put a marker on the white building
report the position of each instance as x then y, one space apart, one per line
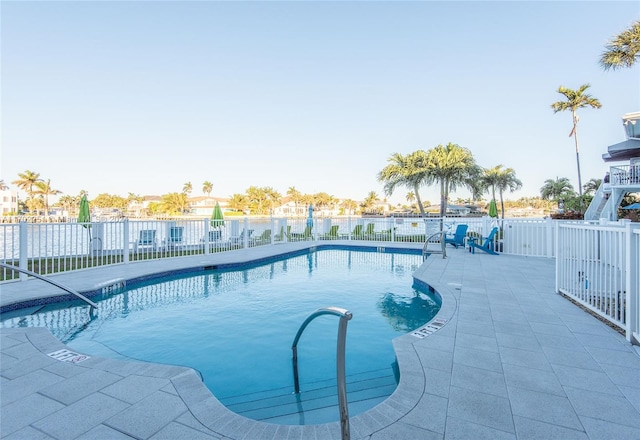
622 178
9 202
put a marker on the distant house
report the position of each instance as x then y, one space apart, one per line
8 202
202 206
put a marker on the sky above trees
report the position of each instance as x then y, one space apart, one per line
119 97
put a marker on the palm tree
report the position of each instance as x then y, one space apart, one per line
294 195
44 189
173 203
591 186
239 202
411 196
67 203
557 190
575 99
26 182
207 187
409 171
623 50
349 205
506 181
451 166
369 201
3 186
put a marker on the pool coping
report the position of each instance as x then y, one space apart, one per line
212 414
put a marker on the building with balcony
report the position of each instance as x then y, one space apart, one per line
624 177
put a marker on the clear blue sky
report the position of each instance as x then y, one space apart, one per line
118 97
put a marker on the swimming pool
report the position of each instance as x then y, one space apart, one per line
236 327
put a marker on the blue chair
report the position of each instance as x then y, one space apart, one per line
176 234
147 240
487 243
458 238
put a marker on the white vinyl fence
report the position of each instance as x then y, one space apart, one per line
597 266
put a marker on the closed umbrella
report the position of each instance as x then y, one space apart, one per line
310 218
493 208
84 214
217 218
632 206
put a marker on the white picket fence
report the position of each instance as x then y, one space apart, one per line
596 264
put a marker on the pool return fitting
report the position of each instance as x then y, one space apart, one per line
345 316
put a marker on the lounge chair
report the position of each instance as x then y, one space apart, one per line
370 233
331 235
282 235
146 239
239 240
306 235
487 244
356 234
176 236
457 239
264 238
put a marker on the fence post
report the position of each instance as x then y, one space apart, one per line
558 253
207 244
245 238
125 240
631 283
549 234
23 232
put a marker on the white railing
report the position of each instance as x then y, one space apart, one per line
597 266
48 248
625 175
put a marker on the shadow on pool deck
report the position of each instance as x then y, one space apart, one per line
514 360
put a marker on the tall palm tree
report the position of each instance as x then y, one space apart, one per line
207 187
450 166
623 50
44 189
409 171
557 190
576 99
506 181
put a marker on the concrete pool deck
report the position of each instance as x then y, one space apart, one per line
514 360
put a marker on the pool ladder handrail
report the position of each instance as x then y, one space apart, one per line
93 305
345 316
442 242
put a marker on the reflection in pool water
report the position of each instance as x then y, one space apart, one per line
236 327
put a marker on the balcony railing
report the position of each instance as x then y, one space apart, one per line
625 175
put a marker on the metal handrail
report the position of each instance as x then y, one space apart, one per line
442 242
55 283
345 316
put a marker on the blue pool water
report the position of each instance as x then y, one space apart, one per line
236 328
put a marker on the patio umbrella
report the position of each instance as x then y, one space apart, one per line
632 206
310 218
84 215
493 209
217 218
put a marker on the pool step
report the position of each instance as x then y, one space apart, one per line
317 402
